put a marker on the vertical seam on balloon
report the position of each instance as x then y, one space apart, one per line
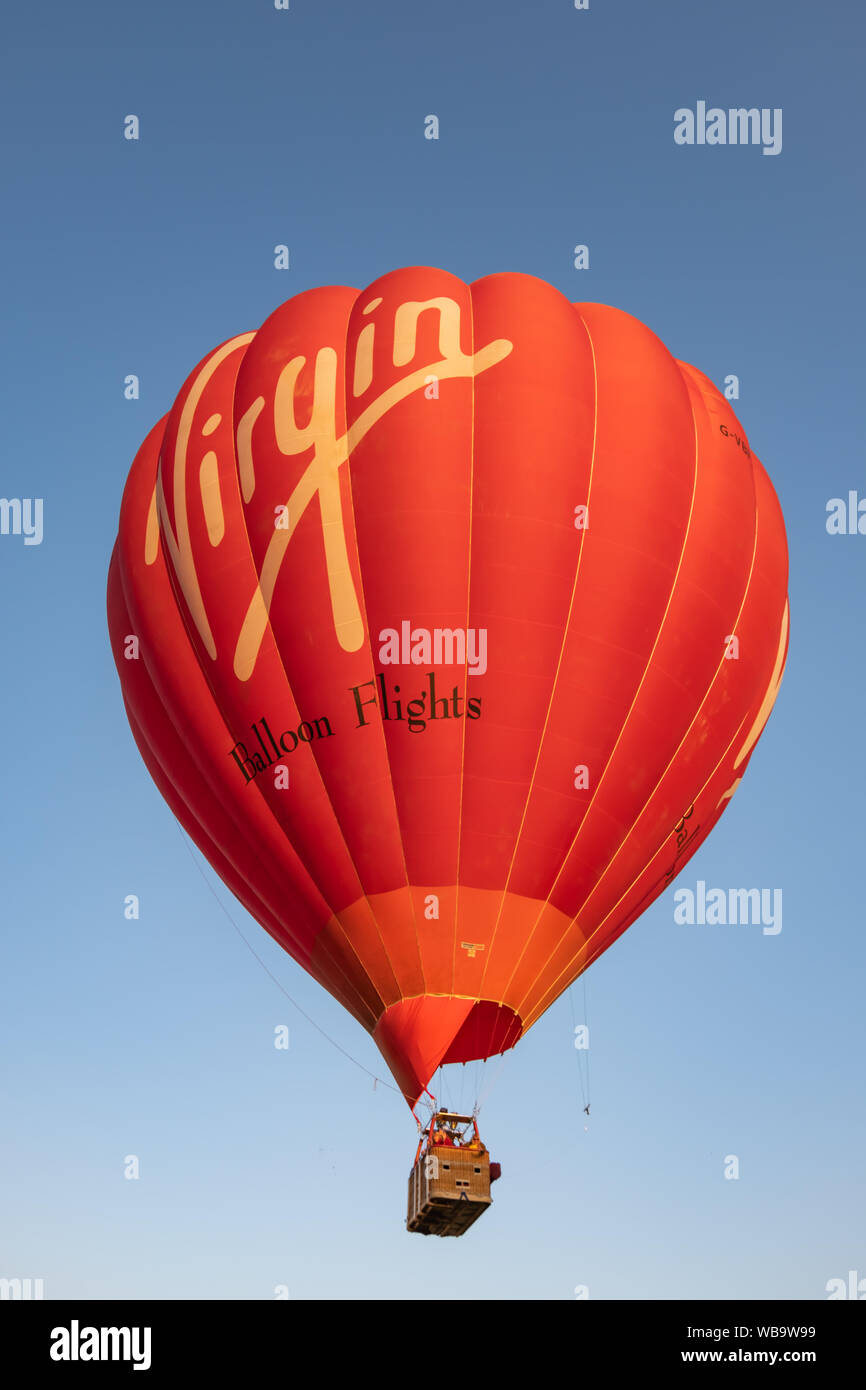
202 774
472 387
541 1007
349 998
625 721
257 789
335 915
706 696
130 601
364 895
516 848
538 1009
369 639
138 729
708 692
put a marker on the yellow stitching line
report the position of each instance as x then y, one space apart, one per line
257 789
363 597
205 781
625 722
559 661
466 669
661 779
775 683
539 1009
350 994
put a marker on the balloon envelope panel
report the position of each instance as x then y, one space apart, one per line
458 611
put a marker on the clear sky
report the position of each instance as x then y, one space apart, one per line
154 1038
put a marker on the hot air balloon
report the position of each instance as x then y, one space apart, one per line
447 618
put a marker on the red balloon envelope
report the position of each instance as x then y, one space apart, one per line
447 617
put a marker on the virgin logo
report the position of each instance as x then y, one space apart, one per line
320 481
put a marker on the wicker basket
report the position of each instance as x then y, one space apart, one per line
449 1188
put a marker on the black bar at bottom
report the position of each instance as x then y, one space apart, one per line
161 1339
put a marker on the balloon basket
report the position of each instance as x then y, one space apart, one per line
449 1185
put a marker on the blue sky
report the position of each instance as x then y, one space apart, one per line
261 1168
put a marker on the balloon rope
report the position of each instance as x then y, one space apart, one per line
380 1080
488 1088
584 1097
586 1022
